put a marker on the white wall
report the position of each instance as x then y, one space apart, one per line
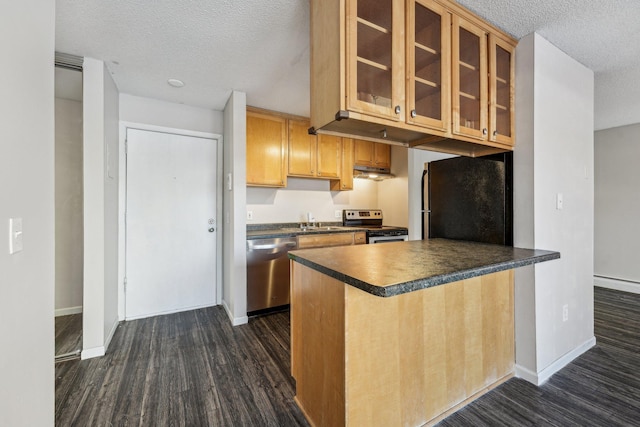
617 208
68 214
393 197
148 111
291 204
27 192
234 292
111 205
100 146
415 166
553 154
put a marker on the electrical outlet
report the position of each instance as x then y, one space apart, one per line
565 312
249 214
338 214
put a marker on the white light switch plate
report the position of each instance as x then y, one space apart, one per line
559 201
338 214
15 235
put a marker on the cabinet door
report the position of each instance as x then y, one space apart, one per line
346 169
266 150
469 75
302 149
382 155
325 240
375 57
429 63
362 152
501 90
329 156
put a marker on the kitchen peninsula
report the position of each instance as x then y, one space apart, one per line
401 333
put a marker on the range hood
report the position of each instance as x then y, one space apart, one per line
372 173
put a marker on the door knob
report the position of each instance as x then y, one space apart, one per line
211 230
413 114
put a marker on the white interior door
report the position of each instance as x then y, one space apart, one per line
170 223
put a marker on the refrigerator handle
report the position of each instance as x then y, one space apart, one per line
424 182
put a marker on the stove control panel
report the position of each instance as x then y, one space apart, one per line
354 214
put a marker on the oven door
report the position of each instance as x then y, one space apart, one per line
387 239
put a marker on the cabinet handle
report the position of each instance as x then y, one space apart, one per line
413 114
484 131
495 133
397 109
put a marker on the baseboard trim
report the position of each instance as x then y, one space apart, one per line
235 321
539 378
90 353
110 335
162 313
617 284
67 311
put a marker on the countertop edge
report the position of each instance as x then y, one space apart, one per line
428 282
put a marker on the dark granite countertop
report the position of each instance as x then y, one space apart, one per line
267 231
396 268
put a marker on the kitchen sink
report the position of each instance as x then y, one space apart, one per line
298 229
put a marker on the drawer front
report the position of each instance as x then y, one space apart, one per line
325 240
360 238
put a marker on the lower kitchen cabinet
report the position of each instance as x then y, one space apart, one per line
331 239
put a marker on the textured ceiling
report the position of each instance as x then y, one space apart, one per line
262 47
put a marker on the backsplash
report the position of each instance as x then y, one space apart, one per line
291 204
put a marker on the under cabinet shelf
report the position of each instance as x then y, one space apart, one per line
427 82
469 96
374 26
426 48
373 64
468 66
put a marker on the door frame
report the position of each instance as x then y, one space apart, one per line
122 195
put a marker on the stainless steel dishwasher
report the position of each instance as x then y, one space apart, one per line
268 272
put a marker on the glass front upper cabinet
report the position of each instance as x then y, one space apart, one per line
501 89
469 87
375 57
429 62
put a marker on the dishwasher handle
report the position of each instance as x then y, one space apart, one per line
269 249
271 246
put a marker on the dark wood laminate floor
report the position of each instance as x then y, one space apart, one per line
194 369
68 335
184 369
600 388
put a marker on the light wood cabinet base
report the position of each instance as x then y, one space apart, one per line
359 359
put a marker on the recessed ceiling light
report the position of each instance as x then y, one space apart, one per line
175 82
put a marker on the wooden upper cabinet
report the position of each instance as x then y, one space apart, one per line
372 154
313 156
426 73
329 156
429 64
470 82
346 168
266 150
501 90
302 149
375 57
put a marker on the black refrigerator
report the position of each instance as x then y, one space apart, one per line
465 198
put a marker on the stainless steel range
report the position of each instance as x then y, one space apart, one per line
371 220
